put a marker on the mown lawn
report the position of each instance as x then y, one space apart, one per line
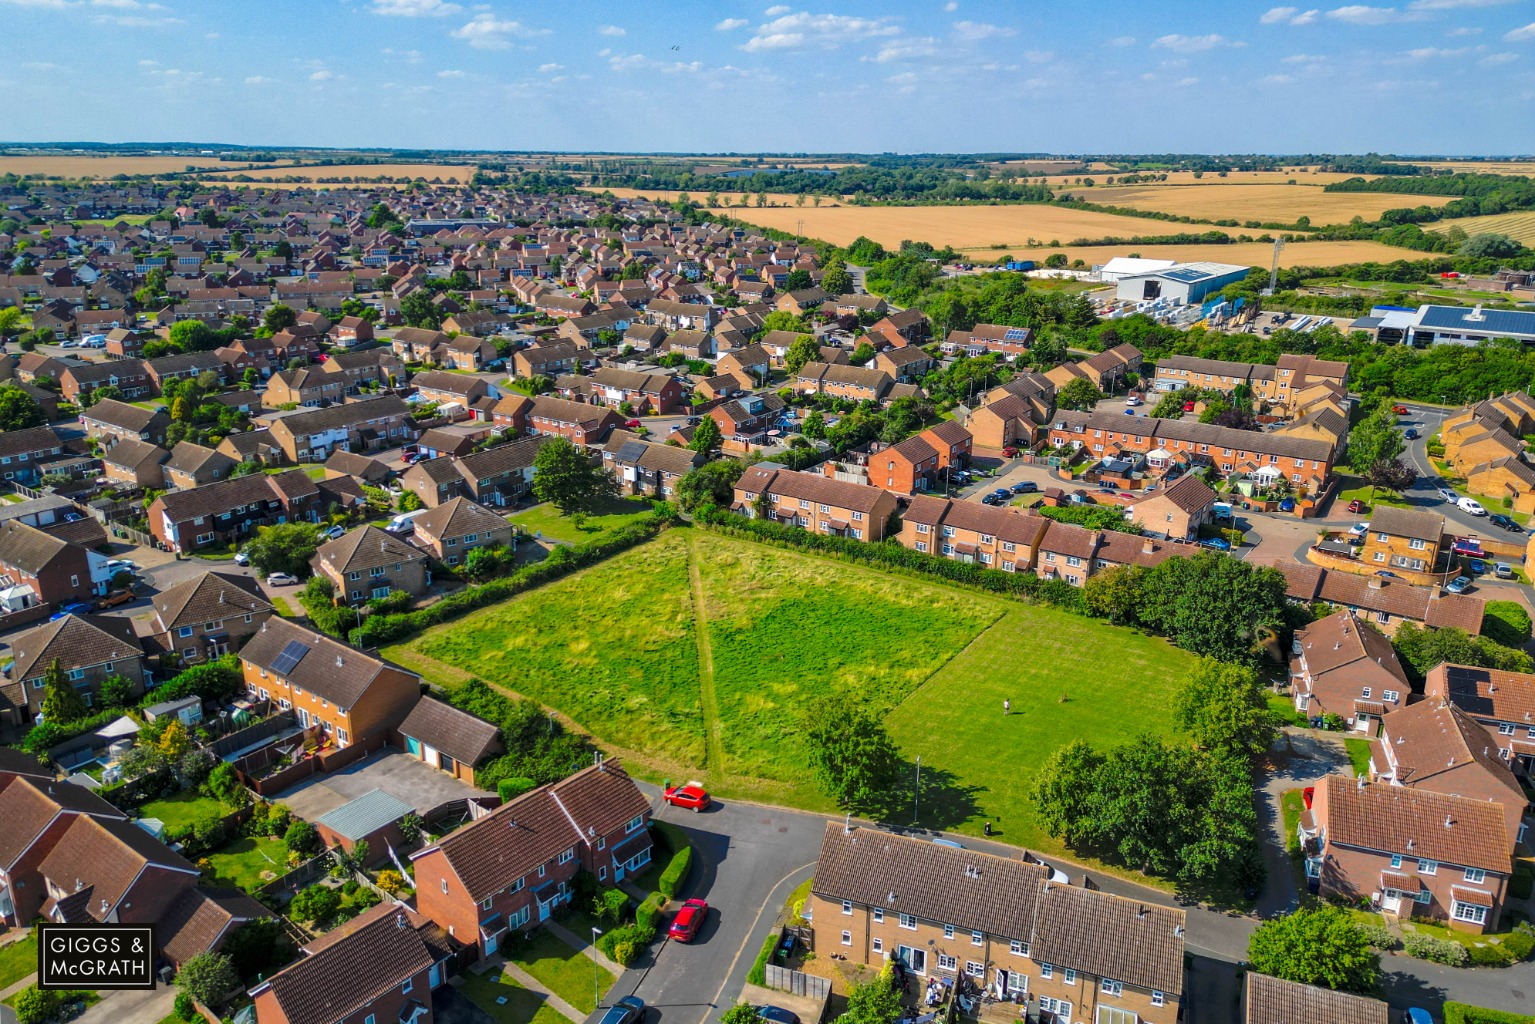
184 808
17 960
244 862
568 973
546 520
1359 754
521 1006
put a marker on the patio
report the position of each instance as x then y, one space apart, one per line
390 770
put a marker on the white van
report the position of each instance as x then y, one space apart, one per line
403 523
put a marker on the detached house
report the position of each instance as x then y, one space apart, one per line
192 465
368 564
1503 703
209 615
1403 539
1342 668
1178 510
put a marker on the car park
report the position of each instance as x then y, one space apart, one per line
1470 506
1459 585
691 795
281 579
689 918
628 1010
1504 571
1504 522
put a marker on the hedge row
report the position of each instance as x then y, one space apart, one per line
890 555
758 974
377 630
622 945
676 871
1465 1013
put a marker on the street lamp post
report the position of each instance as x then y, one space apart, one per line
916 796
596 973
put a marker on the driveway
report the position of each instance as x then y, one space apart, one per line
1302 757
136 1006
393 771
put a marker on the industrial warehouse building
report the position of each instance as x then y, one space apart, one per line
1186 283
1128 266
1446 325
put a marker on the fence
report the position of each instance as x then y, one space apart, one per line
798 983
311 870
241 739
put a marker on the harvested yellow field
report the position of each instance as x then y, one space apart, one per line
103 166
1303 176
1250 254
1267 203
289 186
445 172
1519 225
1480 166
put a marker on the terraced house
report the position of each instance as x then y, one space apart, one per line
1503 703
1055 950
25 453
858 383
368 425
968 531
231 509
367 564
814 502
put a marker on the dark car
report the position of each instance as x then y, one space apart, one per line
628 1010
1025 487
1411 433
989 499
1507 523
73 608
1002 492
776 1015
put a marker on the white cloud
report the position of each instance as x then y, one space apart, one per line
549 69
149 63
408 56
905 49
1278 79
415 8
1519 35
610 30
1039 56
1430 52
973 31
951 6
55 4
211 35
1274 15
487 32
1450 5
260 80
776 10
321 76
821 31
731 24
1188 81
1305 17
640 62
1362 14
1304 58
1188 44
1492 60
1121 41
452 73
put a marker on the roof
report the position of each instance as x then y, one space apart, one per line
312 421
1394 597
106 856
1071 924
1003 523
1477 320
458 516
1485 692
1434 737
27 547
1188 493
124 415
200 918
331 670
1402 820
460 735
1406 522
811 487
1275 1001
208 597
359 818
564 411
1339 643
375 954
75 641
366 548
28 804
133 453
211 499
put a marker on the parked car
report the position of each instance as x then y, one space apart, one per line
1416 1015
1287 505
241 558
690 917
1002 493
1356 506
281 579
1468 546
114 599
1448 495
628 1010
692 795
1010 452
1505 522
73 608
334 532
1504 571
1129 412
632 424
776 1015
1216 543
1459 585
1470 506
1133 401
122 563
1307 794
988 499
1359 529
1478 567
1400 410
1188 406
1411 433
1025 487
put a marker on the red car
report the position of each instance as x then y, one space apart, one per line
1400 410
1356 506
688 920
1307 794
1188 406
632 424
691 795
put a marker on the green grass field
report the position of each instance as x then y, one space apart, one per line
18 960
520 1007
546 521
183 808
620 649
567 972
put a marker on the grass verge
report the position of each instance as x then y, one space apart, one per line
506 1001
1359 755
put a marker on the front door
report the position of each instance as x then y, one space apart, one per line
434 977
1391 901
544 909
490 943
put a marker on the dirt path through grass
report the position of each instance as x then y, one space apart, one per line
714 746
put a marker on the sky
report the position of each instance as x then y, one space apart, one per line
1453 77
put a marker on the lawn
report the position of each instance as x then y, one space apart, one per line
183 809
546 520
1355 488
566 972
245 863
17 960
520 1007
1359 754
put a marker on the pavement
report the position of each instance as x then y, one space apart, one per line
136 1006
393 771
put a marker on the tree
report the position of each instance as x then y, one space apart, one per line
194 336
852 755
1420 648
19 410
1390 475
814 425
35 1005
1506 623
567 479
258 948
1224 707
100 393
783 320
174 741
1114 593
10 322
1321 946
1212 603
876 1001
208 977
419 310
804 349
279 318
1491 245
837 281
315 903
741 1013
797 280
862 353
302 838
1374 439
711 483
62 703
286 547
706 436
115 692
1079 394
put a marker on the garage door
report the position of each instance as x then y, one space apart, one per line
429 754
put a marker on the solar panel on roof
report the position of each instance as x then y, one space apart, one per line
288 658
1016 334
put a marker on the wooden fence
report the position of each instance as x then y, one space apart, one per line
798 983
311 870
252 734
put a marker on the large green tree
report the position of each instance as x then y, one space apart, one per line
1078 394
1420 648
208 978
418 310
19 410
711 483
706 436
804 349
286 547
1212 603
11 318
837 281
193 336
1321 946
1374 439
62 703
1224 707
565 477
852 755
279 317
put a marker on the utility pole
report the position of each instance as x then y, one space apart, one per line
1274 266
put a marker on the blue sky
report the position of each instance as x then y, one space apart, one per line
1420 76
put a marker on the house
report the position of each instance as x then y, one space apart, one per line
368 425
967 531
500 475
577 422
458 526
813 502
122 421
1403 539
346 694
360 467
511 868
647 467
658 393
1502 702
367 564
309 387
1178 510
1342 668
417 344
56 570
909 467
208 615
228 511
681 316
745 421
24 454
1267 1000
858 383
442 386
35 813
1384 603
192 465
511 410
379 968
1001 922
547 359
1007 342
108 871
749 365
368 367
253 446
434 481
1411 852
1434 745
467 352
910 325
90 649
1067 553
130 377
135 464
183 366
1008 422
437 443
951 441
449 739
904 364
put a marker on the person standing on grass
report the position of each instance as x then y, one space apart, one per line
1007 706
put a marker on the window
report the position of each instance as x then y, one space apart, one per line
602 873
76 674
1365 693
1469 912
1505 729
878 945
566 856
921 527
635 823
186 631
879 915
977 938
1158 997
485 903
1428 867
1047 970
405 988
974 969
847 938
1115 1015
1396 860
847 906
915 959
543 869
1060 1007
1476 875
909 922
1019 948
1425 897
922 546
1110 987
946 962
948 931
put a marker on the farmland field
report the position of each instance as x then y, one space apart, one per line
1520 225
69 166
1268 203
447 172
622 649
1249 254
1480 166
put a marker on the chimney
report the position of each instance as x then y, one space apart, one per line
1448 821
1148 546
1376 583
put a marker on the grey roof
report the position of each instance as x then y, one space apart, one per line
457 733
370 812
366 547
1493 321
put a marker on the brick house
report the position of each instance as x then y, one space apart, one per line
1411 852
1403 539
1008 422
1067 552
577 422
346 694
442 386
1502 702
135 464
122 421
192 465
1178 510
746 420
458 526
968 531
368 563
1008 342
104 870
367 425
232 509
1342 668
310 387
57 571
659 393
24 454
129 376
1384 603
547 359
253 446
511 868
35 813
909 467
90 649
911 325
999 922
858 383
815 503
904 364
647 467
448 739
209 615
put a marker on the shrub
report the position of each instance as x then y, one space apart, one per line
349 886
366 898
1493 954
1440 951
184 1008
676 872
391 881
1520 943
758 974
646 916
316 903
609 904
1506 623
33 1005
1523 881
510 789
207 977
1465 1013
623 945
208 832
302 838
1379 937
278 818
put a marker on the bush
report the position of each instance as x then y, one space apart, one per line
1379 937
184 1008
1440 951
216 681
349 886
278 818
33 1005
302 838
676 872
364 899
391 881
758 974
1522 882
316 903
1506 623
1465 1013
510 789
1520 943
623 945
1493 954
648 913
610 904
207 977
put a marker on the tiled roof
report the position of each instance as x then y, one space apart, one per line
602 798
1433 737
1274 1001
106 856
187 457
1137 943
132 453
458 734
75 640
202 918
331 670
208 597
123 415
314 421
1486 692
1403 522
1070 539
211 499
377 952
811 487
366 548
1339 641
27 547
456 517
1188 493
28 804
1391 819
